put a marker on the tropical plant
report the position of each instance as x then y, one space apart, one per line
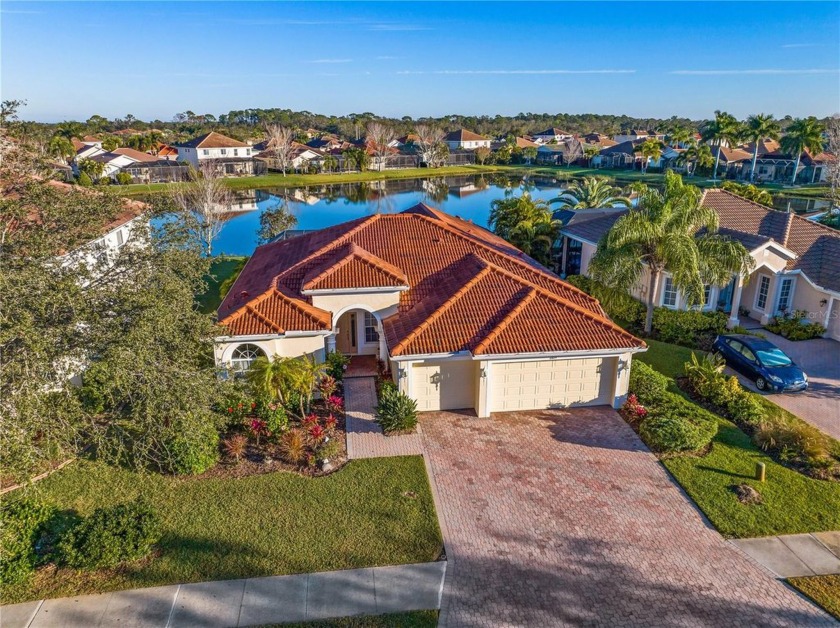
694 157
650 149
356 158
268 377
396 411
803 134
749 192
526 223
590 193
235 446
62 147
680 136
724 128
661 235
293 446
758 128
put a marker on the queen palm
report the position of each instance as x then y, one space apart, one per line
724 128
661 234
591 192
803 134
758 128
535 237
694 157
61 147
679 136
649 149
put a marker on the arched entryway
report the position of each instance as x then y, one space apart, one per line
358 331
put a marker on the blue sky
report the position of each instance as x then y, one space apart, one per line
153 59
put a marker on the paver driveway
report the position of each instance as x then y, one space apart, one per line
564 518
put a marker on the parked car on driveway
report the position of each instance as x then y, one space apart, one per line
762 362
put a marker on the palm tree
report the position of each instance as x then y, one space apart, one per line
527 224
268 377
724 128
696 156
679 136
760 127
661 235
62 147
803 134
649 149
591 192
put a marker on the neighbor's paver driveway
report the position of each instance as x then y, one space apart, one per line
820 359
564 518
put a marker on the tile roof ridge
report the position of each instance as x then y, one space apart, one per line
354 251
788 224
736 197
335 244
564 302
443 307
813 223
476 240
310 311
529 296
249 308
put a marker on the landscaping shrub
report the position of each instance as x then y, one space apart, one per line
792 327
707 380
293 446
327 450
273 415
688 328
123 178
110 536
670 430
22 524
616 304
647 384
193 451
336 363
396 411
795 442
327 386
235 446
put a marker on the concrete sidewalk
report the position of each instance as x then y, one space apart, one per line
795 555
364 436
250 602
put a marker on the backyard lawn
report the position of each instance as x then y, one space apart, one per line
220 269
371 512
792 502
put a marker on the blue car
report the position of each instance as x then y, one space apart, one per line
762 362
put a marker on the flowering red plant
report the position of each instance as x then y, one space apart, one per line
633 410
310 420
258 428
317 433
329 424
335 403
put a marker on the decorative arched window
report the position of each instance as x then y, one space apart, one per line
243 356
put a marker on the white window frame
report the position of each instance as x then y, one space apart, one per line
758 294
223 151
120 237
240 364
371 331
205 152
792 283
672 290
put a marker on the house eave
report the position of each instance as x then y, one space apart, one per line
366 290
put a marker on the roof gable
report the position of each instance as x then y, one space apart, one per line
213 140
353 267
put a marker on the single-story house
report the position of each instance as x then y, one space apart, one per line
797 261
466 140
460 318
157 171
552 134
633 135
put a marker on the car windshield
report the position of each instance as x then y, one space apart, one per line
773 357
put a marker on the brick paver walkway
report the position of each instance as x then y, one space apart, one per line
364 436
564 518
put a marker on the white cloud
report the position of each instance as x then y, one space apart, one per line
330 60
764 71
480 72
384 26
802 45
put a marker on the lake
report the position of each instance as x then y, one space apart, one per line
321 206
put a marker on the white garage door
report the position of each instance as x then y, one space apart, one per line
444 385
551 384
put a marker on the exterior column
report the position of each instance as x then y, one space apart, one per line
563 262
734 317
622 379
772 298
331 343
383 347
482 396
404 377
827 320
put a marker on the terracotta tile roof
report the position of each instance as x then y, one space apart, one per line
468 289
728 154
463 135
817 247
213 140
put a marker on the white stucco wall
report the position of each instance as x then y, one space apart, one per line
195 155
282 346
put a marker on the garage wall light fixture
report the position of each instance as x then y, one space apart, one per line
401 373
483 373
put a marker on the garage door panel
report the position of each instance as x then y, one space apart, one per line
551 383
444 385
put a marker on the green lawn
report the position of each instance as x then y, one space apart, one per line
413 619
220 269
371 512
793 502
824 590
277 180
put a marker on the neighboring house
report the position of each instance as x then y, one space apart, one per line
551 135
301 156
618 156
518 142
136 155
564 153
732 160
597 139
633 135
112 163
797 261
86 151
460 318
777 167
466 140
233 156
164 151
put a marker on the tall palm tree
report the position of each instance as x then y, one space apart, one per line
696 156
803 134
591 192
651 148
724 128
536 237
758 128
62 147
661 235
679 136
